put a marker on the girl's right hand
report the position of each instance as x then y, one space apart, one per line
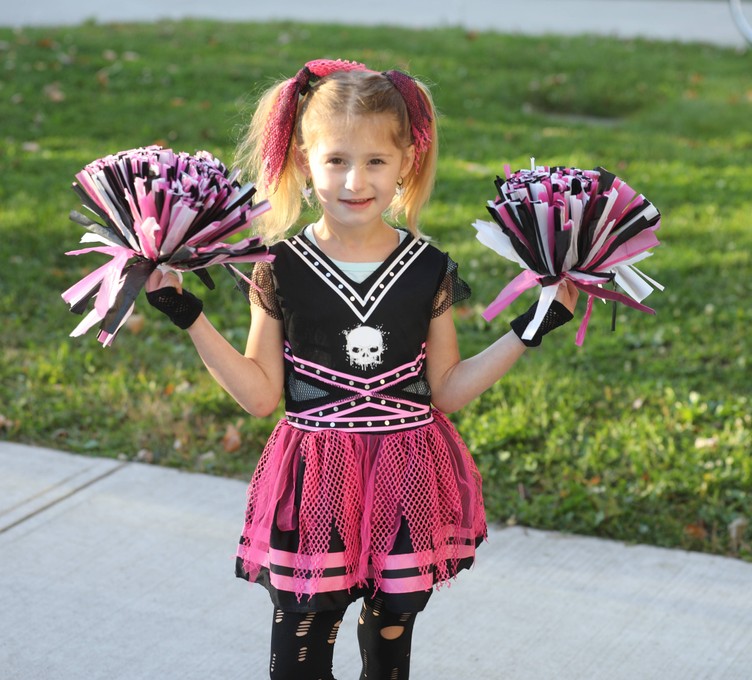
165 292
163 278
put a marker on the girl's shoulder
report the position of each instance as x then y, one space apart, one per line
289 241
434 250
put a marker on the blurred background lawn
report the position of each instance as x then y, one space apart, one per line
643 434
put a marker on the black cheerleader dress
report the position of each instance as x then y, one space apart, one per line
363 487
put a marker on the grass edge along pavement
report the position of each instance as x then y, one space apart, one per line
641 435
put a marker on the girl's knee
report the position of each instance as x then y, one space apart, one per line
392 632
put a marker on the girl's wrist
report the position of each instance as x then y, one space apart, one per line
180 307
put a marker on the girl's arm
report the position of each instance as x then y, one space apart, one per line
254 379
456 382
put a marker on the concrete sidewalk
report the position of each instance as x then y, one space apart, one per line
124 571
706 21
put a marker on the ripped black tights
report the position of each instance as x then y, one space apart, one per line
385 640
303 643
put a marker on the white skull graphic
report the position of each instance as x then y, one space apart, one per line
365 346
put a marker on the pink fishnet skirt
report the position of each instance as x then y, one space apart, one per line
333 513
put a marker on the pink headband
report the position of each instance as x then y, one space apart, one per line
275 142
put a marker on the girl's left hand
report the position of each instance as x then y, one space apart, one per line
567 294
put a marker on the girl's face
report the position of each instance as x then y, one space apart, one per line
354 168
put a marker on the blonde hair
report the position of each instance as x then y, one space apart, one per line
348 94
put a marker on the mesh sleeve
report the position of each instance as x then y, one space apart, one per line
262 292
452 289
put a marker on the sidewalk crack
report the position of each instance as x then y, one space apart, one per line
58 499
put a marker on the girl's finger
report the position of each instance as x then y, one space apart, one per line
162 279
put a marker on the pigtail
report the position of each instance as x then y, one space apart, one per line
282 191
269 150
419 182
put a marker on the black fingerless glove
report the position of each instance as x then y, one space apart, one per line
557 315
181 308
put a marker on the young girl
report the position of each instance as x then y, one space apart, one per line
364 489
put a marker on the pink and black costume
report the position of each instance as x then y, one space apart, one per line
363 486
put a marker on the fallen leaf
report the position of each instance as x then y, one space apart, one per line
145 456
231 441
697 531
103 77
207 457
736 530
706 442
5 423
522 492
54 92
135 323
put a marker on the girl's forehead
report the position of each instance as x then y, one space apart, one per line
372 129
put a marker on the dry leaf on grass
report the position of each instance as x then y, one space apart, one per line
232 440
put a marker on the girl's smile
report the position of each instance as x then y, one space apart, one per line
357 204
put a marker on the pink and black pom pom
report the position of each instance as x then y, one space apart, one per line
156 207
557 223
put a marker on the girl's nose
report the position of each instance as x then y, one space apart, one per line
355 179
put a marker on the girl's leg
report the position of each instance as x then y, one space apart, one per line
385 639
303 644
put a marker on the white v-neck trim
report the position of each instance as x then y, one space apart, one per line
361 301
357 271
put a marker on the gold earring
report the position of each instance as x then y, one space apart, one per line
400 188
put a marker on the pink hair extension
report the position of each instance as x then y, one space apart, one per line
420 118
275 142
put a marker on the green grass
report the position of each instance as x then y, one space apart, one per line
643 434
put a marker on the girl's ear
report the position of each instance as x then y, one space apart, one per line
408 159
301 161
